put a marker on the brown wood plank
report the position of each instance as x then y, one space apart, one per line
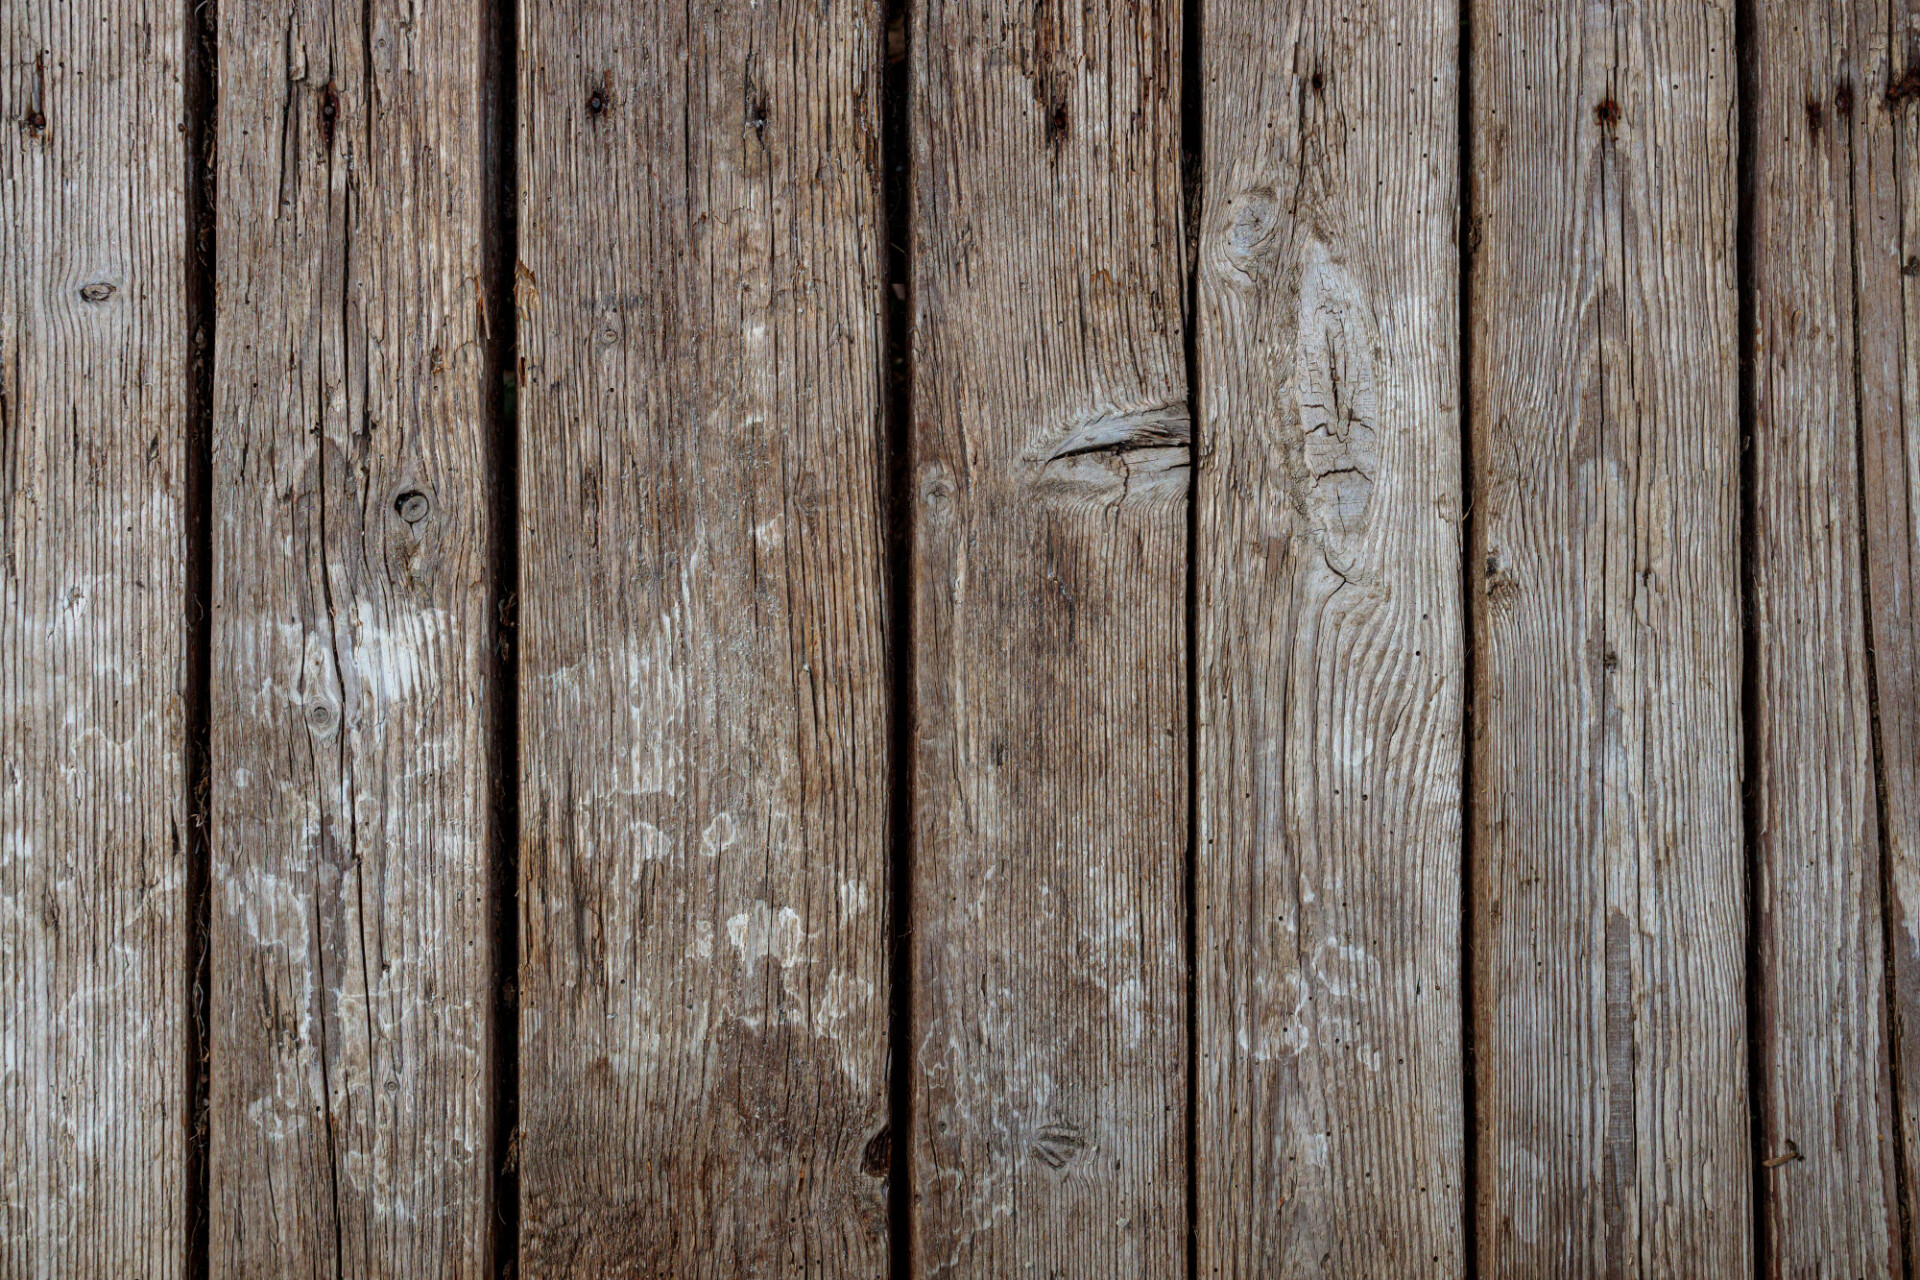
1605 569
1330 1117
1882 110
1049 460
93 663
352 638
705 774
1827 1124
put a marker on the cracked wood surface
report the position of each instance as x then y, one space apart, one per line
704 784
1605 570
352 970
94 506
1048 477
1329 649
1828 331
1879 87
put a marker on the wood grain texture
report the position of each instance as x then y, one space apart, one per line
1830 1206
1330 644
1607 889
352 636
93 514
1881 110
705 774
1049 458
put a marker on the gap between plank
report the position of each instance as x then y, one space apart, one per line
1465 236
896 150
1744 25
501 256
1193 173
200 58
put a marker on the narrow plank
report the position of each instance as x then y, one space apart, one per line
1330 644
1605 568
1881 106
1050 479
1827 1126
93 663
705 778
350 1088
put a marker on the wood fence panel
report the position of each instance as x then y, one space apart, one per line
1881 108
1609 934
704 789
1826 1129
1049 577
352 645
1330 645
93 640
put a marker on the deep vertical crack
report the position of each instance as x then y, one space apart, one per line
1465 238
896 151
500 250
201 81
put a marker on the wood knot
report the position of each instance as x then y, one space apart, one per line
1252 232
412 506
1058 1142
1906 88
99 291
1115 456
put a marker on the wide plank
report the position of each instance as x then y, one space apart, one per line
1605 567
1049 460
705 771
353 645
94 511
1330 1118
1826 1127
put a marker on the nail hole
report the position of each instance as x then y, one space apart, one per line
412 506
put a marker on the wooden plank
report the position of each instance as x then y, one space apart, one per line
704 791
352 645
1826 1129
1605 570
1049 474
1882 110
93 640
1330 647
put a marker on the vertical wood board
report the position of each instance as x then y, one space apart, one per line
705 765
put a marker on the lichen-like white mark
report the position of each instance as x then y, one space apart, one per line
720 835
761 933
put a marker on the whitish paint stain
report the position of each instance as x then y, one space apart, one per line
720 835
761 933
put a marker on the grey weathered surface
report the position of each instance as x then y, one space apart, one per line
1606 816
1049 485
1884 80
1825 1105
705 772
93 514
350 1087
1330 645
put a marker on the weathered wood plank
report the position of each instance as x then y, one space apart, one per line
1605 569
93 514
1881 107
350 1090
1330 649
1049 460
705 773
1829 1205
